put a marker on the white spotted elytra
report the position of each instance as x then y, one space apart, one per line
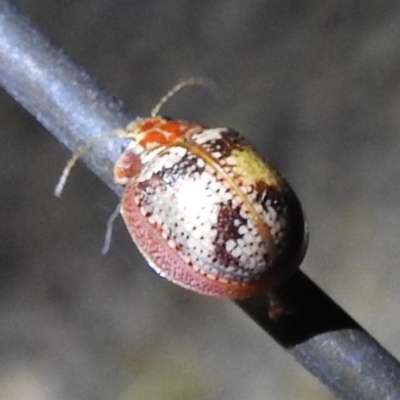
205 210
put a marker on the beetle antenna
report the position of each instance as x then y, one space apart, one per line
110 223
188 82
74 158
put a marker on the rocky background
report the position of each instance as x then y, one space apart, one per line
314 85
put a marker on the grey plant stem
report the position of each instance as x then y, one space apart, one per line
61 96
73 107
327 341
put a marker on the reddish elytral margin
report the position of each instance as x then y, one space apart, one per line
174 268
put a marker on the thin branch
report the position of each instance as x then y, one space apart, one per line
63 97
318 333
328 342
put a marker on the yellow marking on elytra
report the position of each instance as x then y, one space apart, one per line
251 169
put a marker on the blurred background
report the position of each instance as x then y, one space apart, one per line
314 85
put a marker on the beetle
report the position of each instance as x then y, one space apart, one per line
205 209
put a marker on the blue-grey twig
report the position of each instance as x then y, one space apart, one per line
63 97
318 333
327 341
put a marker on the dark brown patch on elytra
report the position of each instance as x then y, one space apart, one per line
229 141
227 230
187 166
148 189
234 140
277 197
